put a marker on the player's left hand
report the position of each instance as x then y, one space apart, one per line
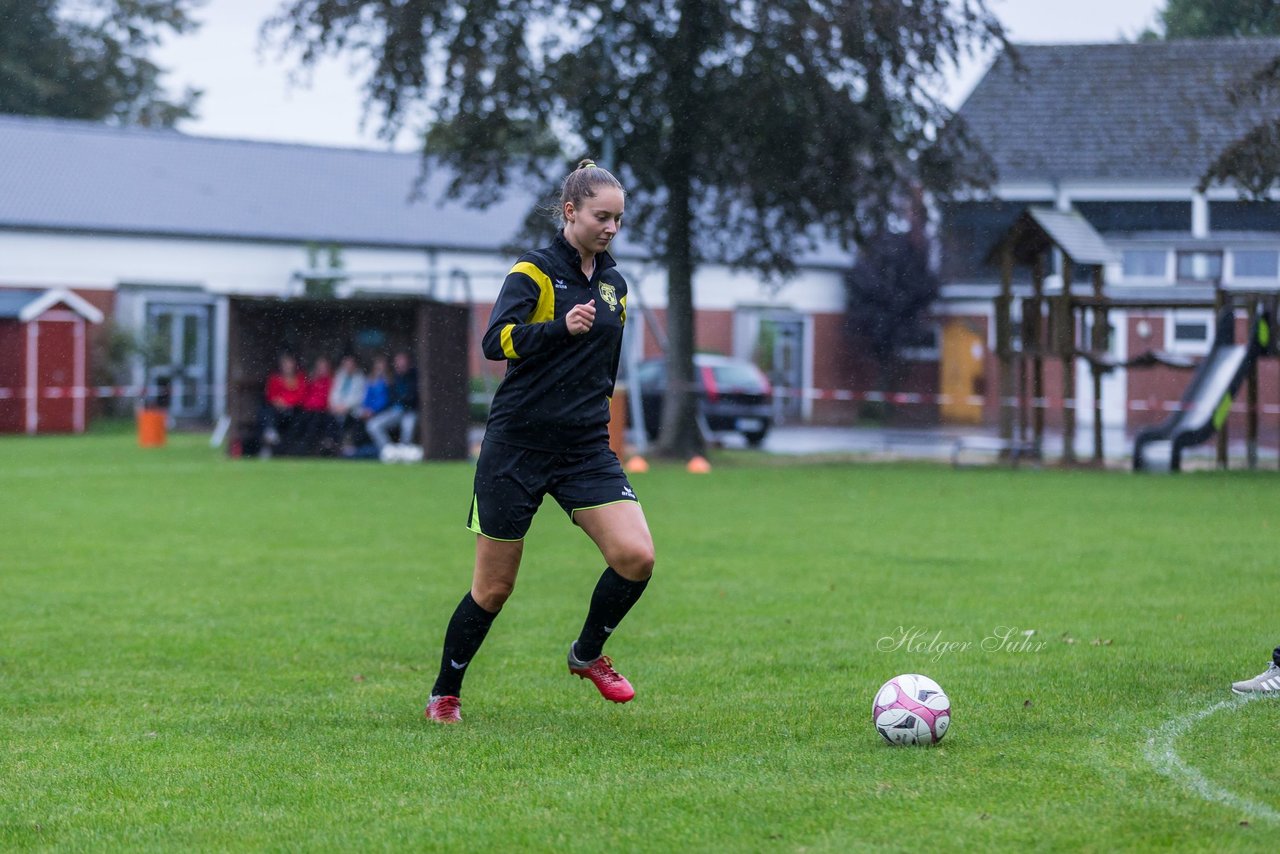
580 318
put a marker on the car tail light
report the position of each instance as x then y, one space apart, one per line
709 384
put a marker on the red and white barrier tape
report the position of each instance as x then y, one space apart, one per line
908 398
843 395
103 391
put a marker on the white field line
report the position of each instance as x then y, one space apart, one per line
1161 752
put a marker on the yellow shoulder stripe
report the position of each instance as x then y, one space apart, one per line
623 318
546 308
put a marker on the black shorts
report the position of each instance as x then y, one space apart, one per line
510 483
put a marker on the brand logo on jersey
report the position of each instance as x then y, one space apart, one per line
610 295
561 285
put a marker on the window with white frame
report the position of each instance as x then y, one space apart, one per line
1145 264
1256 264
1189 332
1199 266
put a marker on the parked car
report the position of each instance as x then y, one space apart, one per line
734 395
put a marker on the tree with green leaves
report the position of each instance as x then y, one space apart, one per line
1252 162
743 131
89 61
1208 19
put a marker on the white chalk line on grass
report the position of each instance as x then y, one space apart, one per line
1161 752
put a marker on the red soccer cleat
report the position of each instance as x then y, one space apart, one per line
611 684
444 710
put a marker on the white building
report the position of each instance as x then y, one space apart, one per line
159 228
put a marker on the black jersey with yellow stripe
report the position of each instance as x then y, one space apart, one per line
556 391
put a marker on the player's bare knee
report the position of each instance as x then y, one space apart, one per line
635 563
492 595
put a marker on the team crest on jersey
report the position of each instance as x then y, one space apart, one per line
610 295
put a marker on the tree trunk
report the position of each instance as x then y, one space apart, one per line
680 435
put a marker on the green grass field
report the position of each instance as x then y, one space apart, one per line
226 655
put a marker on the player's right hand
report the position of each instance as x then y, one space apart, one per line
580 318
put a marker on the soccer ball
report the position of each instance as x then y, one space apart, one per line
911 709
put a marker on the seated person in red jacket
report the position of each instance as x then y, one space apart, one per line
315 408
281 424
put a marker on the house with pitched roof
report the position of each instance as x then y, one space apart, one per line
160 229
1121 135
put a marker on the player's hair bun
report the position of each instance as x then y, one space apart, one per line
582 183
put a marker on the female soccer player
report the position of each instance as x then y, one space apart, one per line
558 324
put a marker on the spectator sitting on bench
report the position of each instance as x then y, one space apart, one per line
279 417
377 397
402 408
315 405
345 399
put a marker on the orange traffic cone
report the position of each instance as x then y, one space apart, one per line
698 465
637 464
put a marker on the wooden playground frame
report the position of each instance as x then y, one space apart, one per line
1050 324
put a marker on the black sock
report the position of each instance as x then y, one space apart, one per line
1275 656
467 628
612 599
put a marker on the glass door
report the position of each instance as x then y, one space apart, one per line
180 369
779 352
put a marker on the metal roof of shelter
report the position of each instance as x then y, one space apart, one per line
86 177
81 176
1037 230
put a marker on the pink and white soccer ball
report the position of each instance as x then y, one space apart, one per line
911 709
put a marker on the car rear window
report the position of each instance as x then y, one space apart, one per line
742 377
650 373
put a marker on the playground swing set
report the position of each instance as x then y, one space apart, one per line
1054 325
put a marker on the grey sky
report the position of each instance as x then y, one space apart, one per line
248 93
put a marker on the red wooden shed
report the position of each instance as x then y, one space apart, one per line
43 360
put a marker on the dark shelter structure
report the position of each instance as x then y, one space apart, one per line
435 334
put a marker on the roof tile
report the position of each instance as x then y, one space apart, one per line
1144 111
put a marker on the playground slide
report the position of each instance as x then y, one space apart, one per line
1207 400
